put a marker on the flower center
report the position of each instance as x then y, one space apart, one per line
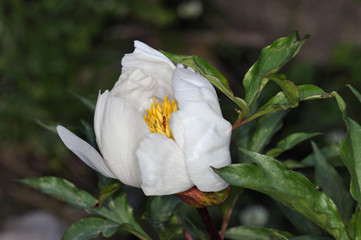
158 116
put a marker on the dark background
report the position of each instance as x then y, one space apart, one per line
51 50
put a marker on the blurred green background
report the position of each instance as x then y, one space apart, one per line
51 51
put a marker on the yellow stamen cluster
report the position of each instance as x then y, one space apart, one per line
158 116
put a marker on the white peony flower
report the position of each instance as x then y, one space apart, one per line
162 146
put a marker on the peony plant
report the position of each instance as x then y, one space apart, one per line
161 129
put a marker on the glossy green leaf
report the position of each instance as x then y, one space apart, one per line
272 58
170 230
355 92
280 101
329 152
353 226
331 182
213 75
288 88
121 211
162 216
123 214
290 163
304 225
256 233
289 142
351 155
266 127
163 208
311 237
107 192
90 228
63 190
311 92
290 188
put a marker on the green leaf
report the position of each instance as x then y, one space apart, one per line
87 102
66 191
327 152
311 237
289 187
213 75
289 142
272 58
89 228
107 192
304 225
355 92
162 216
331 182
266 127
351 155
62 189
353 226
311 92
123 214
289 88
163 208
256 233
280 101
289 163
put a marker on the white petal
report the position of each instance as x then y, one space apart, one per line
122 130
136 88
162 166
84 151
206 133
99 114
177 128
153 64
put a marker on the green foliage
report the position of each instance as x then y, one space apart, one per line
289 142
256 233
107 192
272 58
62 190
314 209
118 212
332 184
290 188
353 225
88 228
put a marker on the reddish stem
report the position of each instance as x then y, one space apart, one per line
226 218
207 221
184 230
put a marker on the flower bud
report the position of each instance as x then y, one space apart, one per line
199 199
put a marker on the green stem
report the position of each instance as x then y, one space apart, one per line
207 221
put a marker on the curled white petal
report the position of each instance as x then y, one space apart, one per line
84 151
122 130
162 166
153 64
206 133
136 88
